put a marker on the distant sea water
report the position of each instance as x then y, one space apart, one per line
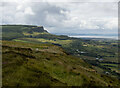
106 36
93 36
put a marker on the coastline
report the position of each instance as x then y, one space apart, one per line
106 37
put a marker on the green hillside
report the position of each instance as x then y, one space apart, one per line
10 32
34 57
28 64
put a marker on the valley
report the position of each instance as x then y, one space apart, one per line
34 57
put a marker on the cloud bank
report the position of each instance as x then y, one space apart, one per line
63 17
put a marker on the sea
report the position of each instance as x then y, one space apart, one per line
103 36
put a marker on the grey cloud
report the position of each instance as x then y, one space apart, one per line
46 14
63 17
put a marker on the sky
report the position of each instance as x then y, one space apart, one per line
63 16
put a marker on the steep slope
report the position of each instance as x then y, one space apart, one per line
29 64
34 57
10 32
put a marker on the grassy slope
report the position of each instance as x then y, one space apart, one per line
10 32
42 40
107 50
36 35
29 64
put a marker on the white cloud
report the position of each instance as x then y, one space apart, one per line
29 11
63 17
19 7
112 24
60 0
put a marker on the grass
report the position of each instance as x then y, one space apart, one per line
34 33
46 59
111 65
24 66
57 41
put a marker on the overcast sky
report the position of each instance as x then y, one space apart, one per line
90 16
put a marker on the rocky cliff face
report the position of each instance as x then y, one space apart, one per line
39 29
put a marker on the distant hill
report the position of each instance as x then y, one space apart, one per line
10 32
22 28
34 57
17 31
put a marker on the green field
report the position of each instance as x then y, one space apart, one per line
34 57
23 65
42 40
